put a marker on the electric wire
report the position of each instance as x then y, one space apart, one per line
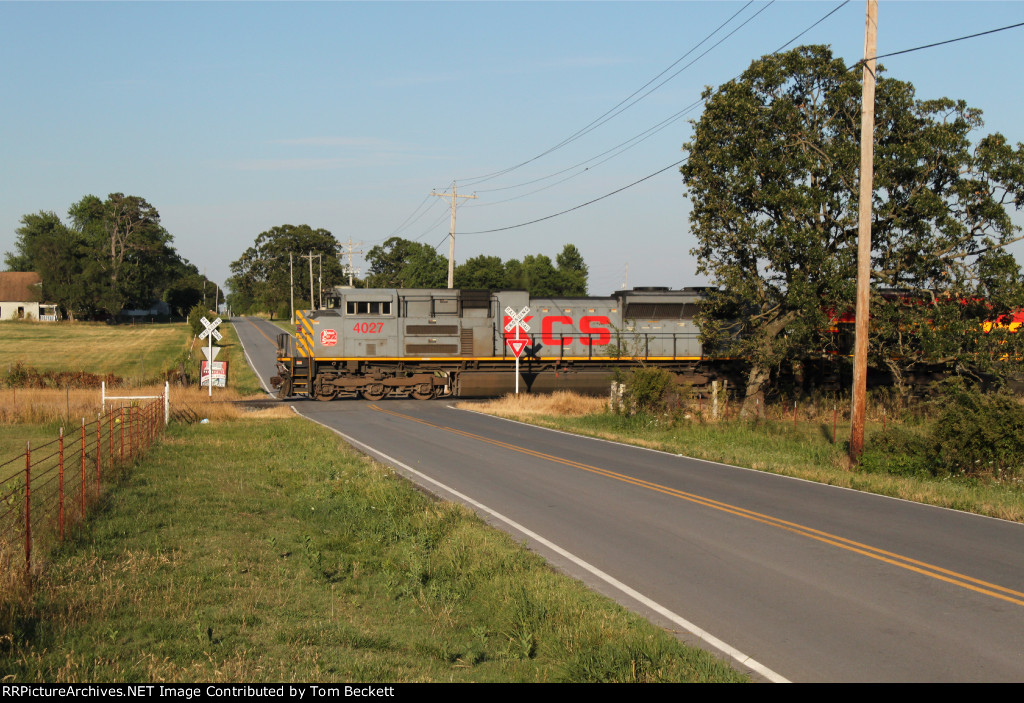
608 115
663 125
406 223
940 43
582 205
651 130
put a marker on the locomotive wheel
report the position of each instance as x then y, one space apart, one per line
423 392
329 395
377 391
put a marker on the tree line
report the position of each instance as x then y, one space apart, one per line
772 173
111 255
266 274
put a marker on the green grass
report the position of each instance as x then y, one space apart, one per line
224 558
136 353
805 451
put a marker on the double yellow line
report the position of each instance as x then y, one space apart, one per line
937 572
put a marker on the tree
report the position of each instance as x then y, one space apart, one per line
572 270
261 280
114 253
482 273
772 174
400 263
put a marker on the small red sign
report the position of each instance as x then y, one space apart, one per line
328 338
517 345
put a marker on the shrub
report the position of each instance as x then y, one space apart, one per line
195 318
900 451
647 389
979 434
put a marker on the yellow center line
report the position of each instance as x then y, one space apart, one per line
261 331
937 572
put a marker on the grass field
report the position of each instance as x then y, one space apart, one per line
222 558
804 451
135 353
37 414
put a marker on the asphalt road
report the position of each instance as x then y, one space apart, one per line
794 579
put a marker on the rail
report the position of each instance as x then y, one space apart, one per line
50 487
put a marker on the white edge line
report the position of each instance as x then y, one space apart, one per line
252 365
865 493
693 629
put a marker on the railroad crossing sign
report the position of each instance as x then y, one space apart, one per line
211 329
517 320
211 333
517 345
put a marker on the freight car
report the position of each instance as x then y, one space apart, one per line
430 343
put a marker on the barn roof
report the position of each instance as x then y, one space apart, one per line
19 286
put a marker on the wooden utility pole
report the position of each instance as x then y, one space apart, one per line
310 255
454 195
349 254
858 407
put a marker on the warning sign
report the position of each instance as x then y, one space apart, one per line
517 345
328 338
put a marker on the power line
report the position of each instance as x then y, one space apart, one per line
940 43
608 115
825 17
664 124
589 202
651 130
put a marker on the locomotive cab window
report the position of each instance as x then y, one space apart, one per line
368 307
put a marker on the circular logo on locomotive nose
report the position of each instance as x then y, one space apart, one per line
328 338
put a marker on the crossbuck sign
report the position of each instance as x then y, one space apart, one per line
210 333
517 345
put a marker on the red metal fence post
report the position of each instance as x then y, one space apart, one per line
83 468
120 446
110 435
99 445
60 481
28 508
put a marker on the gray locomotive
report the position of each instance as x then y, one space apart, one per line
429 343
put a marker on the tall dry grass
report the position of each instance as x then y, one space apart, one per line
43 405
564 403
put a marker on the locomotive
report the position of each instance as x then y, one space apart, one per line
432 343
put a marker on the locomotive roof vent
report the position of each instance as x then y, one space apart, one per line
650 289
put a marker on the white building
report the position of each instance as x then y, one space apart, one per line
20 293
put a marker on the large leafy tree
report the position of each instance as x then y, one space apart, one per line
261 280
772 174
535 273
113 254
400 263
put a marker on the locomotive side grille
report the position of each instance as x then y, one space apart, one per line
443 330
466 341
656 311
431 348
475 299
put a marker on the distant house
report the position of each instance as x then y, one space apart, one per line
20 293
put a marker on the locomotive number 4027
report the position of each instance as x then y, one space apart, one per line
368 327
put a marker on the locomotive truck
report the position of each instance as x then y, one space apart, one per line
430 343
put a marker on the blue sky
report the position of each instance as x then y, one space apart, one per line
234 117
